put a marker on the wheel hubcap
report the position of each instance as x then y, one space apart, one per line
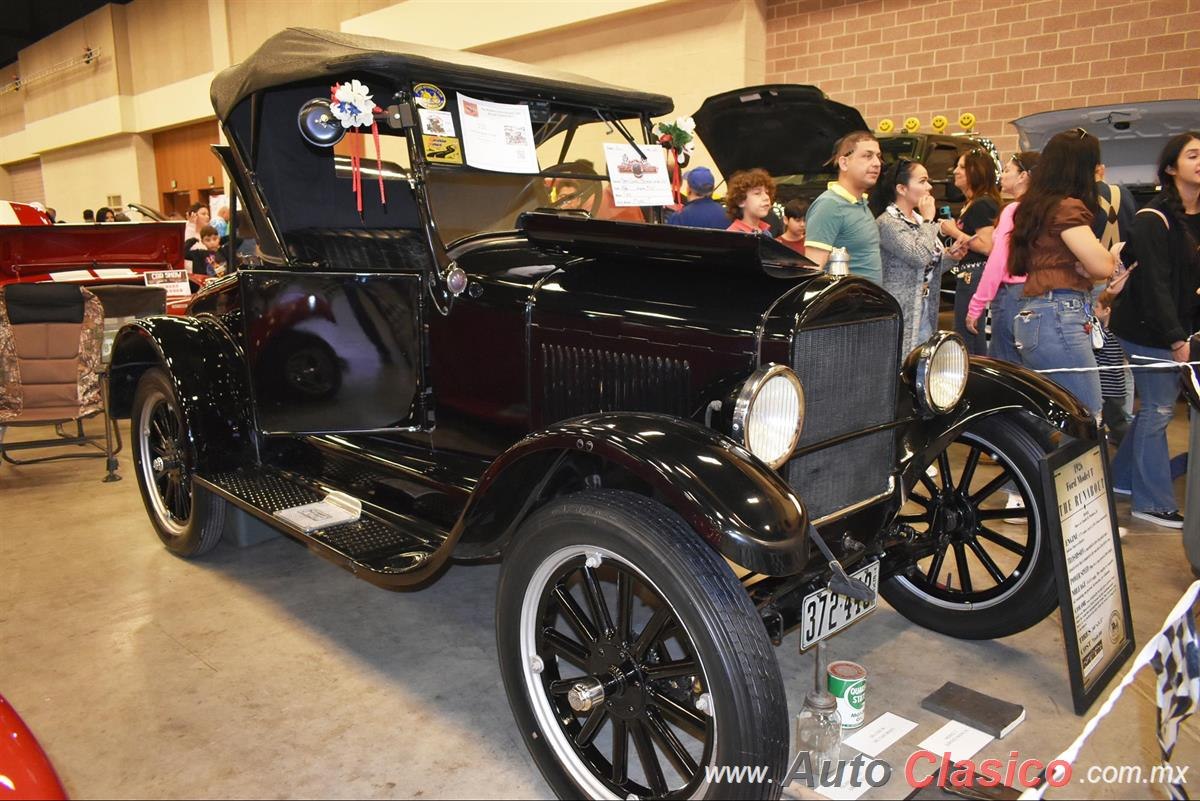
973 551
610 666
164 473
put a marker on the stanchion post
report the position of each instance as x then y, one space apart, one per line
1191 512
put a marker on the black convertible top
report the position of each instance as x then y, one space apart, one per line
304 54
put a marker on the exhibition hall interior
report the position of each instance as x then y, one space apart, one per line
616 399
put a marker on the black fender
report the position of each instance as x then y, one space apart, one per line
1042 407
737 504
209 375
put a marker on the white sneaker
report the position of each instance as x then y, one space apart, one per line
1164 519
1014 502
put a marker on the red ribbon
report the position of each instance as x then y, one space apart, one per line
356 151
676 180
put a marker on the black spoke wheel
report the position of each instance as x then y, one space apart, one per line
982 566
632 657
186 519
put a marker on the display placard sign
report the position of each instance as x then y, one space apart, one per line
1088 566
638 179
175 282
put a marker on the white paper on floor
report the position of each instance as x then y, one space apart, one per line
874 738
843 791
957 739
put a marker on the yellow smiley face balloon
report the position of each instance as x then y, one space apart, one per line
940 122
912 124
966 120
886 125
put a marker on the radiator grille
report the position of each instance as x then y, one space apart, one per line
849 373
582 380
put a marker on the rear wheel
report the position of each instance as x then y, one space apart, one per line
187 519
983 567
632 657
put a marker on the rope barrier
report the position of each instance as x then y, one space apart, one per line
1143 658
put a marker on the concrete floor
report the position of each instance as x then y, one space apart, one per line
267 672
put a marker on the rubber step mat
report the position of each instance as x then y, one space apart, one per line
372 542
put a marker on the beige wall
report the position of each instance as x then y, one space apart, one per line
686 50
85 175
80 85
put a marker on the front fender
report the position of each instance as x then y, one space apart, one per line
209 376
995 387
741 507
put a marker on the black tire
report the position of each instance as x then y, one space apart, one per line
633 548
973 610
187 519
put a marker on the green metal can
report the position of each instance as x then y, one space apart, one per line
847 682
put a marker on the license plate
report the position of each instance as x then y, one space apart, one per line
824 613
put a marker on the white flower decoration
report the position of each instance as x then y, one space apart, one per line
686 123
353 104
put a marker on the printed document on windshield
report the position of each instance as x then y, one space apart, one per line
497 136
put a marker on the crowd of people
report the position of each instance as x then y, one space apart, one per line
1082 286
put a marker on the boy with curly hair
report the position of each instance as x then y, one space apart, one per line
748 201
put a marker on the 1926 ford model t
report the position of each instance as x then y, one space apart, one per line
681 444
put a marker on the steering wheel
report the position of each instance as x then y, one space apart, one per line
587 199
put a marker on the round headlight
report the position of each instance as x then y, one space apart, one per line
769 414
942 372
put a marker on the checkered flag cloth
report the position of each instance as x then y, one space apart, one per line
1177 668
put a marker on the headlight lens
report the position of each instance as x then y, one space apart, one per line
942 372
769 414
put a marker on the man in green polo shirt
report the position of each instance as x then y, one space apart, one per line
840 217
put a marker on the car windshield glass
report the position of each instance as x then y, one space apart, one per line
571 176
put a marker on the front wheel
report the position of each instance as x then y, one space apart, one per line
632 658
982 567
187 519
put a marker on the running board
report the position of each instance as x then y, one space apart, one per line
381 547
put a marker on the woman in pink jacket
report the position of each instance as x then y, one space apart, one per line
997 287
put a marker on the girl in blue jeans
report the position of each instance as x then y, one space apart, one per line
1153 318
1053 246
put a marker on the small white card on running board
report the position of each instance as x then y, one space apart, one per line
335 509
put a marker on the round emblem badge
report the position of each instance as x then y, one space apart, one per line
429 96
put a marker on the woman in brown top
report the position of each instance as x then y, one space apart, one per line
1052 244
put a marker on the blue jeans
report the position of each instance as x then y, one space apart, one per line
1005 307
1143 463
964 290
1049 334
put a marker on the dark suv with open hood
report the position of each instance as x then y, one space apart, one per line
682 445
790 130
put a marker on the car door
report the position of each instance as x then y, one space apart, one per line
334 351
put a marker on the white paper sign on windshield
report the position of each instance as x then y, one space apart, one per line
497 136
638 181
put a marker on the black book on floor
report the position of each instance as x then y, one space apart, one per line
975 709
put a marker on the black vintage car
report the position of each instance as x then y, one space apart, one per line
682 444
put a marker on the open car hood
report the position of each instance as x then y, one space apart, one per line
786 129
43 249
1131 135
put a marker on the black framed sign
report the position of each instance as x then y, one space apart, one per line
1088 566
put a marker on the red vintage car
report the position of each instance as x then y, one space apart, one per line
32 249
25 772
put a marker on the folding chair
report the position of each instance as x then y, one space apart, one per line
51 370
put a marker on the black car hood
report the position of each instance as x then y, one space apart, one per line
784 128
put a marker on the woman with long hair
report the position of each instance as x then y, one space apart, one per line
1053 246
105 214
1153 317
975 177
902 201
997 287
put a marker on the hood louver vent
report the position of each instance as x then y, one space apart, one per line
583 380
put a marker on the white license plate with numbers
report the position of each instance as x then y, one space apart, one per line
824 613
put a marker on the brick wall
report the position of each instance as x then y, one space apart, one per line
1000 60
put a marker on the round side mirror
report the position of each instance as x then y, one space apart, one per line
317 124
